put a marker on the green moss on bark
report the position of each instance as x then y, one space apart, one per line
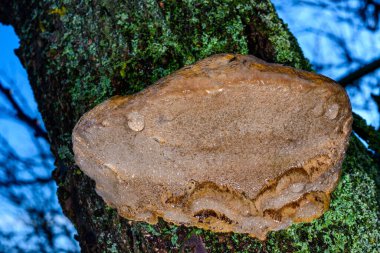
105 49
79 53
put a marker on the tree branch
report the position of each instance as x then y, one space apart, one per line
21 115
18 182
359 73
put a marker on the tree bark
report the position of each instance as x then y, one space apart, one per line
79 53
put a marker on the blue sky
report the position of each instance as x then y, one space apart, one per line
14 77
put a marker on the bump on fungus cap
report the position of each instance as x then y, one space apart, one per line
231 143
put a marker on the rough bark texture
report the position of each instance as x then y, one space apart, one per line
78 53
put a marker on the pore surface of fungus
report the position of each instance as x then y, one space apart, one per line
230 143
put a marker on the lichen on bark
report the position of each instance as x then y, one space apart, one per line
78 53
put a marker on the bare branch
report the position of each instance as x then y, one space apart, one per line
359 73
21 115
17 182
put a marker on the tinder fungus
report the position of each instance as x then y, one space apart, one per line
231 143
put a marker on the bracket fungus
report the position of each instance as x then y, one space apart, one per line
231 143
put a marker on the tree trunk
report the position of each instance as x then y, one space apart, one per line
79 53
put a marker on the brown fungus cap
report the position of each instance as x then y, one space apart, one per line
230 143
